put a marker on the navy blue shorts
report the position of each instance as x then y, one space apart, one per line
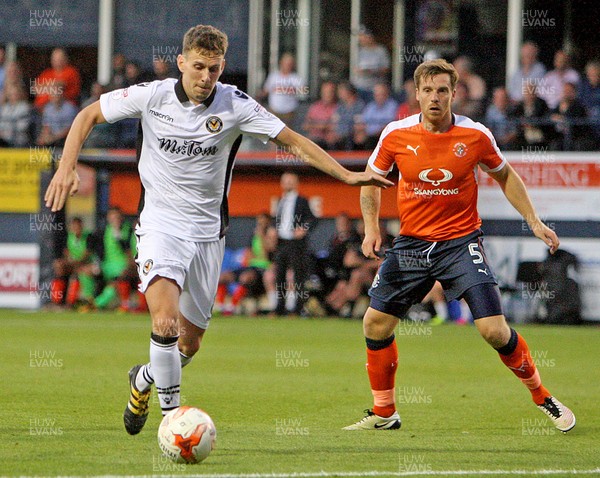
412 266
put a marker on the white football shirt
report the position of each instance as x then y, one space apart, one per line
187 152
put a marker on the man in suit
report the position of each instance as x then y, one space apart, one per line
294 220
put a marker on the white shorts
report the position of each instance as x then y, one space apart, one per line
194 266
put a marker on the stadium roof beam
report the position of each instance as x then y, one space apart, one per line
514 37
398 44
303 39
106 30
354 27
256 72
315 46
274 40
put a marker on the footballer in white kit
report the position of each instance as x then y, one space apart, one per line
191 129
185 163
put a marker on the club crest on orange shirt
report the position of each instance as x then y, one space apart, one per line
460 149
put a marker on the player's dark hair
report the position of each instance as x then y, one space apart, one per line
430 68
207 38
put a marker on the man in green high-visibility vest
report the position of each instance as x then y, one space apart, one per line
113 247
74 271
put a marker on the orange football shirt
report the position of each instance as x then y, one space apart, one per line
437 190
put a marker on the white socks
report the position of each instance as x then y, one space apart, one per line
166 369
161 357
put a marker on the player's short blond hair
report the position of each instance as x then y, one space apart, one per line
206 38
431 68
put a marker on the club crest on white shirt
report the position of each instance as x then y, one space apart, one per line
147 266
214 124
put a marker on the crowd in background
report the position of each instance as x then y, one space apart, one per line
40 111
552 110
556 110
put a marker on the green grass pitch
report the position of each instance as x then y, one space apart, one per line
280 390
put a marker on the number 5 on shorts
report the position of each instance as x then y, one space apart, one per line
477 256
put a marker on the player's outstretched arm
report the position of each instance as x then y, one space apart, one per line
370 202
65 181
308 151
515 191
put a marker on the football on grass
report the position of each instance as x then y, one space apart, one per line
187 435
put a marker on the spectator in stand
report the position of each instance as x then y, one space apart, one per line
589 94
294 220
133 74
464 105
530 73
104 135
319 122
376 116
161 70
118 79
95 91
475 84
15 117
570 119
373 64
129 127
534 128
13 76
498 119
2 66
57 118
411 105
350 106
552 86
60 72
284 88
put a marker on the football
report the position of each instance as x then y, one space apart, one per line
187 435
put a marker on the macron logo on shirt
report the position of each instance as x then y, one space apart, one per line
186 148
161 115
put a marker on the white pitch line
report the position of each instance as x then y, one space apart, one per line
327 474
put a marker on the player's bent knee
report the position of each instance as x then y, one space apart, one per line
189 348
494 330
165 325
188 345
190 336
378 325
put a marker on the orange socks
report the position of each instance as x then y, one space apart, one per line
382 362
73 291
221 294
123 289
516 356
58 288
239 293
